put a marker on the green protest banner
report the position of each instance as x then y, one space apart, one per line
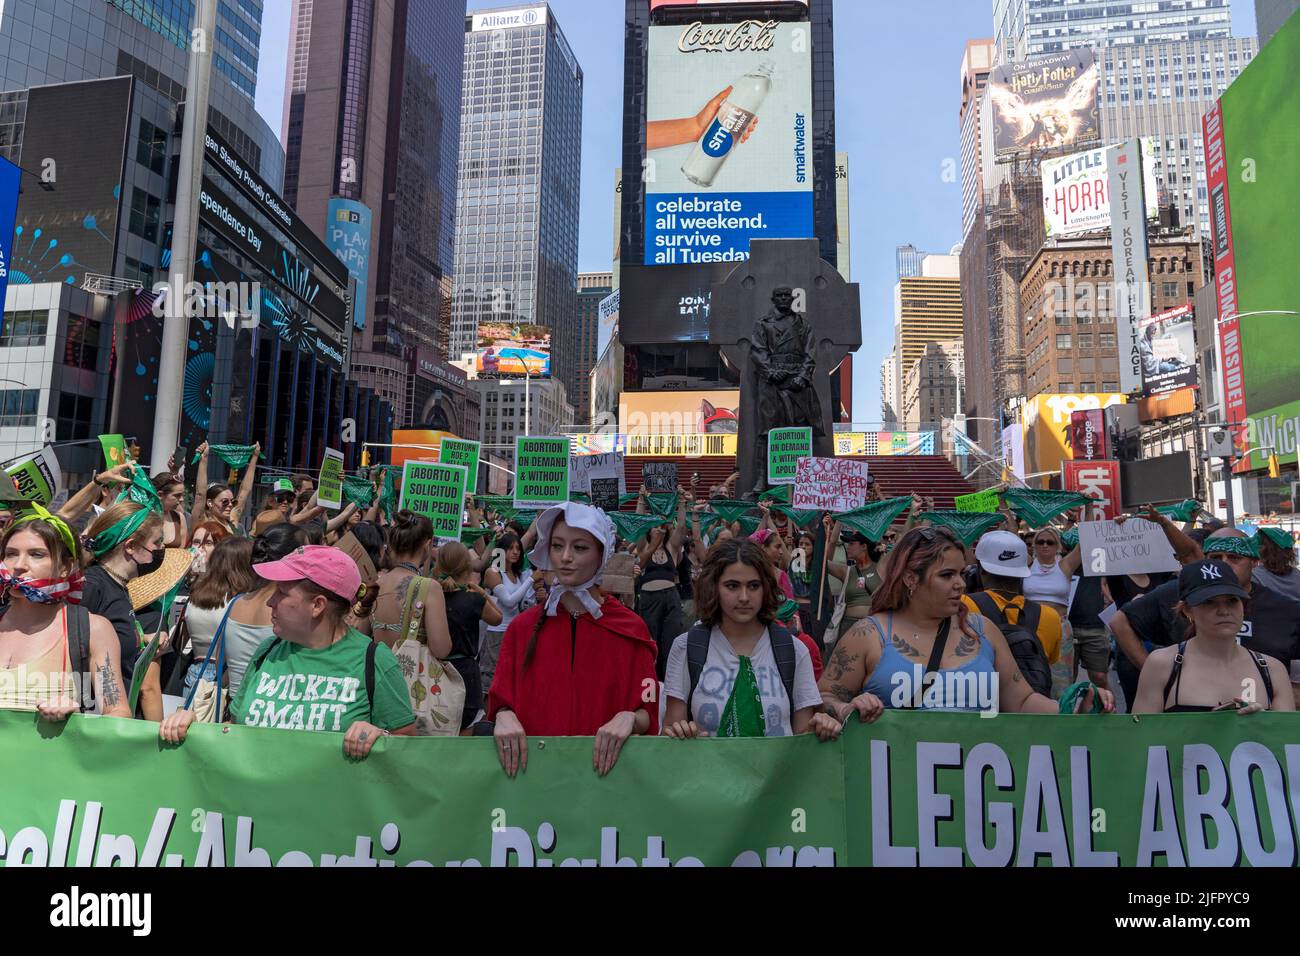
38 478
436 491
541 472
329 484
114 450
983 502
913 789
459 451
785 446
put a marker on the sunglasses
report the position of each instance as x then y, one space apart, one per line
1044 542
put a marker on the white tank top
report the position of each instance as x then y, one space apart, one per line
1047 585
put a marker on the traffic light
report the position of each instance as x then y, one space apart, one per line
1274 469
365 458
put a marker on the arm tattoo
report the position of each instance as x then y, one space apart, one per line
841 662
841 693
108 683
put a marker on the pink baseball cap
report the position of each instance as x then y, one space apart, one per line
328 567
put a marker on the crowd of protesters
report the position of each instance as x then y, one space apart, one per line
700 622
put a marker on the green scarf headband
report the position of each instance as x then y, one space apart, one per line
1244 547
1279 537
141 492
39 513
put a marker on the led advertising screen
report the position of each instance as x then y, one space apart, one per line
1046 103
1168 343
673 303
347 231
728 139
1253 218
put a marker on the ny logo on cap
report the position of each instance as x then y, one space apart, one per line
1210 573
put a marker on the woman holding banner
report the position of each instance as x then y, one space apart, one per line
920 626
581 664
56 658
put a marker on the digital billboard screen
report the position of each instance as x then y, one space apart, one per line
667 303
728 139
1046 102
1168 344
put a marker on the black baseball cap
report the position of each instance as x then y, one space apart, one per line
857 537
1203 581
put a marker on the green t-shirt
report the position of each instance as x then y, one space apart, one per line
299 688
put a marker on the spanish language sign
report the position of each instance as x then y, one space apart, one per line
329 485
461 451
916 789
1132 547
541 472
830 484
436 491
785 446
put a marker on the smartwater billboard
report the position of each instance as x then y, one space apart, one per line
728 139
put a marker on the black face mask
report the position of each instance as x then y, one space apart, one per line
153 565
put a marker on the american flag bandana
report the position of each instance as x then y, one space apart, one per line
43 590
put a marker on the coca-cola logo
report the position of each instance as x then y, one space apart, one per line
756 36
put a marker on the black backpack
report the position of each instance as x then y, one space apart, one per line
1022 638
78 621
697 655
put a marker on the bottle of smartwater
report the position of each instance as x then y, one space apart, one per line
728 128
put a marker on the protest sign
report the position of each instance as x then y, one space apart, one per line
355 550
114 450
1133 547
541 472
830 484
329 485
604 493
460 451
436 491
38 478
583 468
659 476
923 789
785 446
982 502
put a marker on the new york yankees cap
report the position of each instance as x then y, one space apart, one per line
1203 581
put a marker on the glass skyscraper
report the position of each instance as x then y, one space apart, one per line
1026 28
520 173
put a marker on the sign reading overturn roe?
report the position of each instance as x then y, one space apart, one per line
830 484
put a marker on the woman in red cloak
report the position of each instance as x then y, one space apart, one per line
580 664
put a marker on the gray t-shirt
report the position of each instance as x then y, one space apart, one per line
1287 585
719 677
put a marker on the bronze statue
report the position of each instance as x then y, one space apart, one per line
783 354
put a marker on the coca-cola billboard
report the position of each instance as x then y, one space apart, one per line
1088 441
1099 480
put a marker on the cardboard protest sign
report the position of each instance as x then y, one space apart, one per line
1134 547
604 493
353 548
329 485
460 451
659 476
436 491
830 484
785 446
541 472
583 468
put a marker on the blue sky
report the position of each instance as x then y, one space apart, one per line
897 91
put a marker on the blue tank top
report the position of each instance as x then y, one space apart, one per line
897 675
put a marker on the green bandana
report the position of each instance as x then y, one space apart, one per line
142 491
780 493
1038 508
108 539
1245 547
1070 539
39 513
743 715
236 456
471 535
664 505
358 491
803 519
1279 537
388 495
631 527
495 502
730 511
1183 512
580 498
968 526
787 611
749 525
874 520
627 499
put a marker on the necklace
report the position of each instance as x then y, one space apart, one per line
114 575
407 565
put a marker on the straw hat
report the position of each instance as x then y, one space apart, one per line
150 587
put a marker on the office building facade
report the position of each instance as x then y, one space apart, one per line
574 343
932 385
520 175
371 127
509 408
927 309
976 65
1027 28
